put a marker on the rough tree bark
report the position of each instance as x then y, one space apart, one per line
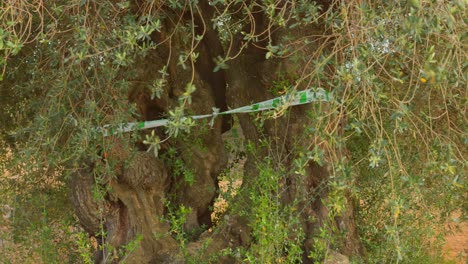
136 203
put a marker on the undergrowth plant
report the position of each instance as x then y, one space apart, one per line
276 229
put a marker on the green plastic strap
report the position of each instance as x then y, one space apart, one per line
303 99
276 102
297 98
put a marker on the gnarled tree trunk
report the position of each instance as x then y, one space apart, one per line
135 204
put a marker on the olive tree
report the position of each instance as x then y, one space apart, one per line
343 175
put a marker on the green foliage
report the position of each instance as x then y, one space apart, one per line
84 248
158 85
397 69
154 143
39 226
177 217
408 186
276 228
178 166
126 250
